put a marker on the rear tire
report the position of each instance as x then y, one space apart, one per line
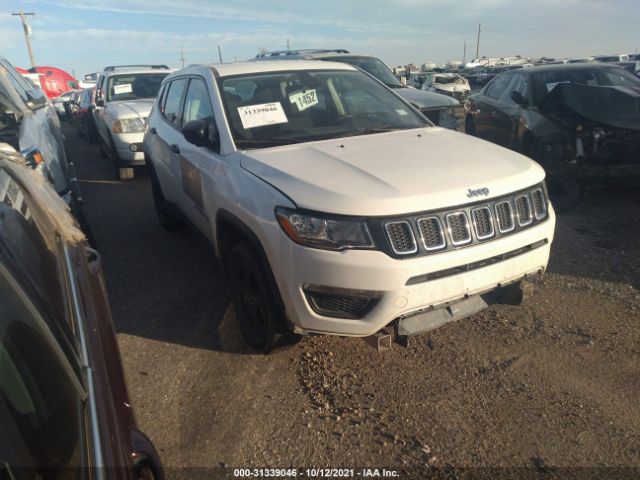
257 313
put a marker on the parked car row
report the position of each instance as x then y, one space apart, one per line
579 121
333 203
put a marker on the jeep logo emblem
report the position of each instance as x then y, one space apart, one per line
484 192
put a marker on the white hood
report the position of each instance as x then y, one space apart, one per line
392 173
131 109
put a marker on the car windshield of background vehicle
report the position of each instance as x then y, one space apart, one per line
375 67
277 108
544 82
134 86
458 80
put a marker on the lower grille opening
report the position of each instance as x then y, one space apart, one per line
475 265
339 303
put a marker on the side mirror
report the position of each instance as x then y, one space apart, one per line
99 101
518 98
36 98
202 132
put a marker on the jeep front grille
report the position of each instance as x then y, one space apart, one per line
443 230
401 237
458 227
483 222
504 213
431 233
539 204
523 210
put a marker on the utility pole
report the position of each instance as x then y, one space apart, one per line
219 53
478 44
182 55
27 33
464 54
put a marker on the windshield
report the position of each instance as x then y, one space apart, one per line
134 86
544 82
371 65
276 108
455 80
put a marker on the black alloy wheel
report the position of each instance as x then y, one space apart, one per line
255 308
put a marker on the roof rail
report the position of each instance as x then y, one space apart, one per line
112 68
300 52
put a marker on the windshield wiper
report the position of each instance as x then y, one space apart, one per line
268 141
366 131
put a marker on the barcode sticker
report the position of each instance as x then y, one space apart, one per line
262 114
124 88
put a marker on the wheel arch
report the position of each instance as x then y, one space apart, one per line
229 231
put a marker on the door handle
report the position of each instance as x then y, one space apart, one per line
175 148
153 130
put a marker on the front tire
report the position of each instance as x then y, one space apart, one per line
256 310
167 220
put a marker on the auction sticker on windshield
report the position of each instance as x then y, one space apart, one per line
262 114
304 100
124 88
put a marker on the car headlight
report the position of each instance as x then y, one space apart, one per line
128 125
323 231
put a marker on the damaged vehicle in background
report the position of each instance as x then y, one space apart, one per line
32 126
450 84
581 122
444 112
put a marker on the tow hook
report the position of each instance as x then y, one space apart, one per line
381 341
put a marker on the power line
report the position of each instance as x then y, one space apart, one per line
27 32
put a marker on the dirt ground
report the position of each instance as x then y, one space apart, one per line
510 391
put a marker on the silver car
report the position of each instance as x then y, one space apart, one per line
123 100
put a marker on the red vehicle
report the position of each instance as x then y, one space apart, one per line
54 81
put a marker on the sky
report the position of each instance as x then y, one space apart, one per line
83 37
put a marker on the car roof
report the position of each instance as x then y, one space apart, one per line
569 66
252 66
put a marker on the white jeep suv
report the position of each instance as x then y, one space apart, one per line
334 205
124 97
